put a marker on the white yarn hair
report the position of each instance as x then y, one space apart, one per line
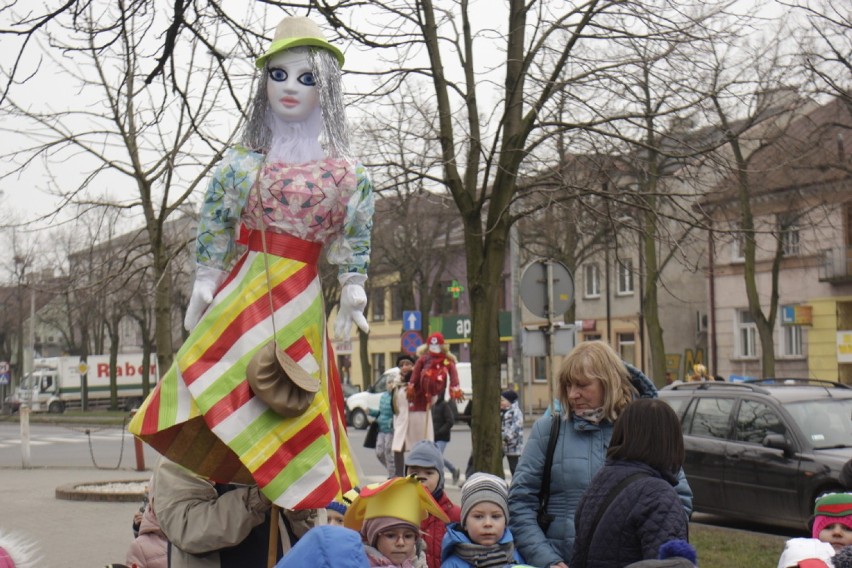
22 550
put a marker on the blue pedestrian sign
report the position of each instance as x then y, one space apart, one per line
5 373
411 340
411 321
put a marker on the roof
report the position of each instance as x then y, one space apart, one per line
809 152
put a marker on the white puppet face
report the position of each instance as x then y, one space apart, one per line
291 86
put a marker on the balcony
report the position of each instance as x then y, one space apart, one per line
836 266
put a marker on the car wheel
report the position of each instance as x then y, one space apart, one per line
56 407
359 419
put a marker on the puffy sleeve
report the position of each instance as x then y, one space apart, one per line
198 520
350 251
530 540
684 492
223 203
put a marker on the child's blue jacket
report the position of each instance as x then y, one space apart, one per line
455 535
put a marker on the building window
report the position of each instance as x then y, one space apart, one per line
591 337
627 347
746 334
791 341
377 301
737 243
592 278
539 368
625 276
789 239
378 360
396 303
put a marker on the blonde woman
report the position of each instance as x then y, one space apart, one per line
595 386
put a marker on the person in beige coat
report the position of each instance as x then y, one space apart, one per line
399 402
211 525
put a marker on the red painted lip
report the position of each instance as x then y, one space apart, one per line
289 101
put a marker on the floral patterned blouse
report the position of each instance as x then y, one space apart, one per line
329 201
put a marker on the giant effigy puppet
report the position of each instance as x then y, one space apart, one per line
254 394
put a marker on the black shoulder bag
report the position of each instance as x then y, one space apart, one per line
543 518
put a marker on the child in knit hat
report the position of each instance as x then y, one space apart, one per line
426 463
337 508
831 528
482 538
512 428
388 515
832 522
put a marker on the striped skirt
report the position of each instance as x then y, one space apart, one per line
204 416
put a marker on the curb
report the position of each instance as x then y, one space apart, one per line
76 491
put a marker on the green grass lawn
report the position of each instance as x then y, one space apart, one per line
73 417
729 548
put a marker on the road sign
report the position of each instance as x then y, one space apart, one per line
5 373
411 340
542 281
411 321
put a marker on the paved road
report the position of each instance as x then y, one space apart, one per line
109 447
112 448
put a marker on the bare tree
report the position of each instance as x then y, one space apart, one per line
159 134
771 140
826 45
490 127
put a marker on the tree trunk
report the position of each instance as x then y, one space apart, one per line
364 353
163 325
650 306
485 360
113 365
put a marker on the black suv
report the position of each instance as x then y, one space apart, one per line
763 450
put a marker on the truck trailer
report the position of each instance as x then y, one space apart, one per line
56 382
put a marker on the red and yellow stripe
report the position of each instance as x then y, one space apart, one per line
203 415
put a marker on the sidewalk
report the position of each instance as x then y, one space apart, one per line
69 534
76 534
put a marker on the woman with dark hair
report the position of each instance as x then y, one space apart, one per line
631 506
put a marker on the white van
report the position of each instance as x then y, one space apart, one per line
359 405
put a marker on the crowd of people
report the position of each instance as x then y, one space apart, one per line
616 497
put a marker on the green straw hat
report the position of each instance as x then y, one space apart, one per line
298 32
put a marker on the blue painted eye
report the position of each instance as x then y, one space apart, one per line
308 79
277 75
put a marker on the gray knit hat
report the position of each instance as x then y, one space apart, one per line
426 453
484 487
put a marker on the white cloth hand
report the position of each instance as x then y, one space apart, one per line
353 300
207 280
